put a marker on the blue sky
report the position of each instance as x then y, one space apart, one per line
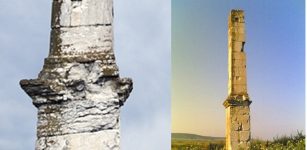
275 49
142 49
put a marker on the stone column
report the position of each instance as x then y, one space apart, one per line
79 93
238 133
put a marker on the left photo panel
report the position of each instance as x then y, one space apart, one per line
85 74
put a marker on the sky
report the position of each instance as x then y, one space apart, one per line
142 31
275 39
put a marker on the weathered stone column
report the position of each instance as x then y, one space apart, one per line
78 93
238 133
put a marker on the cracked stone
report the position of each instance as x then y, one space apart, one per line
79 93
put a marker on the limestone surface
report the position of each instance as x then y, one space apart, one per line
237 103
81 141
70 13
79 92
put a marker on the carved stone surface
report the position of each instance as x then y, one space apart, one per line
79 93
69 13
237 103
83 39
81 141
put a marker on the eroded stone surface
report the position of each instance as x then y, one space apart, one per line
82 39
79 93
237 103
79 99
70 13
102 140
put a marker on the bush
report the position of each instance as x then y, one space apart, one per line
296 142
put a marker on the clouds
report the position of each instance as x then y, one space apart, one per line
142 49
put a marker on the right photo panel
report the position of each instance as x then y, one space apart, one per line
238 75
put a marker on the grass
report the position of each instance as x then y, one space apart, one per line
292 142
197 144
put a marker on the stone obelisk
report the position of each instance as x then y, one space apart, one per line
79 93
237 104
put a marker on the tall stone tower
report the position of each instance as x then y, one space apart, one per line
238 133
79 93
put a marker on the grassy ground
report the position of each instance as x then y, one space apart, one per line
197 144
292 142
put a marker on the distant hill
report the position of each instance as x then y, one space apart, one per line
187 136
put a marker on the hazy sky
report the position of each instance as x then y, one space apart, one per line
142 49
275 65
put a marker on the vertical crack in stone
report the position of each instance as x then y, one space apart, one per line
79 93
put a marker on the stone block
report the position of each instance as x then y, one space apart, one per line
102 140
239 63
239 55
239 71
239 29
233 116
237 46
240 37
236 126
234 146
244 136
239 89
239 81
244 110
242 25
242 118
233 112
82 39
239 25
98 112
244 146
246 126
234 136
67 13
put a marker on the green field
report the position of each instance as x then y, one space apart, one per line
197 145
182 141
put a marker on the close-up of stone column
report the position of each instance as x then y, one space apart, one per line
79 92
237 104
